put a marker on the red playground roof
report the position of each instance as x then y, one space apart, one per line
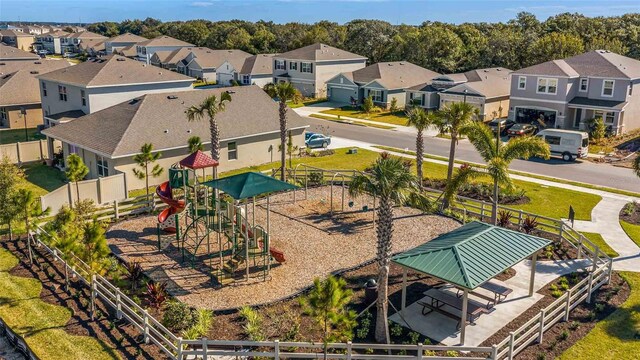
198 160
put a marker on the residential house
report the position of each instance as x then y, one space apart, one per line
146 49
129 51
18 40
122 41
567 93
486 89
100 83
221 66
72 42
20 104
382 81
51 42
309 68
108 140
10 53
92 47
256 70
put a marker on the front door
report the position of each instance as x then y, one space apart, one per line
578 118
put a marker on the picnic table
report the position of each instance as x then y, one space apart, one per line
499 292
439 298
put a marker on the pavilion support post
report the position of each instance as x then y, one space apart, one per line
253 213
246 237
404 291
268 242
533 273
463 320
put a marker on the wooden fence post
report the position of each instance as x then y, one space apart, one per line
66 275
93 297
179 355
18 153
579 247
418 355
349 349
118 305
115 208
511 345
205 349
494 352
519 218
589 287
568 306
146 327
609 270
276 346
541 331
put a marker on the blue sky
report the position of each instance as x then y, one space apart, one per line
280 11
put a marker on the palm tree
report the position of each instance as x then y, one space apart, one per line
391 181
636 165
498 156
421 120
452 120
195 144
210 107
284 92
143 159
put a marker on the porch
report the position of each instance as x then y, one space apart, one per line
581 110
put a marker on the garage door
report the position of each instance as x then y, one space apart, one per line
341 95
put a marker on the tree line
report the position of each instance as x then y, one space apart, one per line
442 47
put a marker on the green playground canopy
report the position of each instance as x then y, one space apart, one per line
472 254
249 184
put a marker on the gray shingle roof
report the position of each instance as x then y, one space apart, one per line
320 52
87 35
18 82
208 58
126 38
12 53
118 131
164 41
394 75
597 63
489 83
583 101
113 70
260 64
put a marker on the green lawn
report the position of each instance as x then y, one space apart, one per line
43 179
632 230
294 105
397 118
615 337
599 242
42 324
18 135
352 122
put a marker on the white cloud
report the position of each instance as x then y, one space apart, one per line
202 3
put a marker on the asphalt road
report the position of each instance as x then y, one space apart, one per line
582 171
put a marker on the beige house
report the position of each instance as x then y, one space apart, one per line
256 70
73 42
108 139
20 104
221 66
146 49
486 89
309 68
100 83
18 40
122 41
10 53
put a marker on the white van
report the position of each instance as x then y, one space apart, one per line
567 144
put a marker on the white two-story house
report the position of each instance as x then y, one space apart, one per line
567 93
309 68
121 41
146 49
53 42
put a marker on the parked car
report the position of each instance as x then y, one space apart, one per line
313 140
504 124
567 144
522 129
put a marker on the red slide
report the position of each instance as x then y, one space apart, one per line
175 206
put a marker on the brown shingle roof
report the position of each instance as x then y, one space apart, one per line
18 82
96 44
208 58
489 83
8 53
159 119
259 64
113 70
11 33
129 51
87 35
320 52
164 41
126 38
394 75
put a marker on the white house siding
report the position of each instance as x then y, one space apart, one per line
51 104
324 71
150 50
104 97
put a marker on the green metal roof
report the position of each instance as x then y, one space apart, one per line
472 254
249 184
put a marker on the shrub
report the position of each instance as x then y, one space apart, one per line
574 325
599 307
414 337
135 273
253 324
529 224
541 356
178 316
452 353
393 106
204 320
315 178
396 330
157 294
563 336
598 130
365 325
504 218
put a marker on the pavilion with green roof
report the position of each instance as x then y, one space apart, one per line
470 256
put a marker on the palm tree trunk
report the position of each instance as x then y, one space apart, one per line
419 156
494 206
77 193
215 139
452 157
384 231
283 138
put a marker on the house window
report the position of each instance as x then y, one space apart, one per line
376 95
62 93
630 89
44 89
522 82
73 149
607 88
246 79
607 116
102 166
584 84
306 67
3 116
280 65
83 97
547 86
232 151
293 65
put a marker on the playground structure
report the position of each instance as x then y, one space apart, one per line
211 230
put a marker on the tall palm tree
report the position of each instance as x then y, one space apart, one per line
498 156
210 107
421 120
283 92
452 120
391 181
636 165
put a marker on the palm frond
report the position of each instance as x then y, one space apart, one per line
482 138
463 175
524 148
498 169
636 165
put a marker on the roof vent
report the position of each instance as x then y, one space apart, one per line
166 131
3 63
498 69
134 101
34 72
189 131
36 62
172 97
160 73
230 92
119 59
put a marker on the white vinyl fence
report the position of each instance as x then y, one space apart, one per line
102 191
23 152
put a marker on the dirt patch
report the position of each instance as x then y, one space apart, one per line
116 334
631 213
564 334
